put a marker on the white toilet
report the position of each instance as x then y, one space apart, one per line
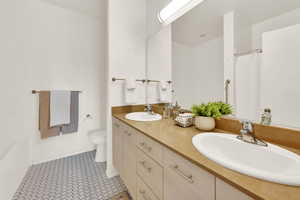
98 138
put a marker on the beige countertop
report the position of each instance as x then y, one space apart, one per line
180 140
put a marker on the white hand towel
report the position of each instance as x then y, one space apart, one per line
60 106
130 91
163 91
130 83
163 85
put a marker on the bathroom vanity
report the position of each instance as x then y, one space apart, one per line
157 161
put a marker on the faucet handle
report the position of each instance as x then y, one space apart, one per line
148 108
247 125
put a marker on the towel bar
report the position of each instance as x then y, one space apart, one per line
141 80
157 81
123 79
36 92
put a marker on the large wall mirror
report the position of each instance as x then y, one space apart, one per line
266 59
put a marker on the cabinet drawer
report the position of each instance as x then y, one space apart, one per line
225 191
150 172
144 192
150 147
198 184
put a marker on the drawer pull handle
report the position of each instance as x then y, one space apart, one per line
145 146
127 133
143 163
189 178
142 144
149 149
144 195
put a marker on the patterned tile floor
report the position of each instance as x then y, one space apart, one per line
73 178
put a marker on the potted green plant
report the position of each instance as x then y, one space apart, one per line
205 114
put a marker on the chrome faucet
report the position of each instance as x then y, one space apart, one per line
247 134
148 109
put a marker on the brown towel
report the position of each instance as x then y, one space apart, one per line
44 116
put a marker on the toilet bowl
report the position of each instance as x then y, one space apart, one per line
98 138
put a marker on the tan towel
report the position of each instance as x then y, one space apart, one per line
44 116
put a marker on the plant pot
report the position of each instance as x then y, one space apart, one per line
205 123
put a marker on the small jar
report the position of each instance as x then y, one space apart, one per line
184 120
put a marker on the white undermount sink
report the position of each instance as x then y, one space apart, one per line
270 163
143 116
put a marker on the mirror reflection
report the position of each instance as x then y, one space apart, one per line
245 53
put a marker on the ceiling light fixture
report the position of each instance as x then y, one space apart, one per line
175 9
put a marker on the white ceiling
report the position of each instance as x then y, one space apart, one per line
207 18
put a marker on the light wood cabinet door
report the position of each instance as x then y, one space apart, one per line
184 181
225 191
117 145
129 160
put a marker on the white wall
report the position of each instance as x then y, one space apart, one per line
126 56
284 20
15 158
183 64
159 63
243 39
249 38
159 60
280 75
67 52
229 35
45 46
198 72
247 86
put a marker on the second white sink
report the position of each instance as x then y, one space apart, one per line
271 163
143 116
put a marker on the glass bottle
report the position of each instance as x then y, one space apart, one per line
167 111
176 110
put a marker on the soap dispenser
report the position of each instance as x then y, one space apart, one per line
266 117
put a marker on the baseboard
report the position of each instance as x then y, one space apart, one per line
64 156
